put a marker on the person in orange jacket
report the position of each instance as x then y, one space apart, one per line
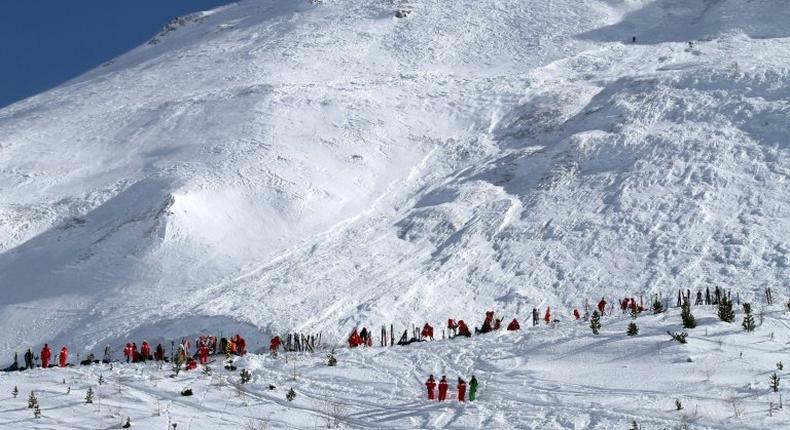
241 345
632 306
461 390
145 351
443 388
127 352
354 340
427 331
63 358
451 327
547 317
274 344
488 322
463 329
514 325
203 354
602 306
431 385
46 355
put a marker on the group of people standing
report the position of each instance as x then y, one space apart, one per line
444 386
360 338
183 354
455 328
46 356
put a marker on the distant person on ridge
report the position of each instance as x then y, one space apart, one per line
488 322
159 355
602 306
534 317
46 355
29 360
63 358
452 327
127 352
241 345
427 331
274 344
145 351
463 329
203 351
354 340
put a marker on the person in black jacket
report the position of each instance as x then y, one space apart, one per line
29 359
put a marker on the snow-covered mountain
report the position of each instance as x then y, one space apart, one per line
276 165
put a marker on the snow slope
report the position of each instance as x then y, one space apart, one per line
276 165
549 377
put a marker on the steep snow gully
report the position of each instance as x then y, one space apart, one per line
295 165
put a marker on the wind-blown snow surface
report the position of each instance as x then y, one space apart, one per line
278 165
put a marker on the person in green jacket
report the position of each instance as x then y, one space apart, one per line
472 389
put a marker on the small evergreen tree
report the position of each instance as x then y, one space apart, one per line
685 313
32 401
246 376
774 382
101 380
68 390
680 337
37 411
658 307
748 319
725 311
331 359
678 405
15 391
779 366
634 426
89 395
290 395
595 322
633 330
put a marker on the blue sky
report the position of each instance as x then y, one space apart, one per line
44 43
